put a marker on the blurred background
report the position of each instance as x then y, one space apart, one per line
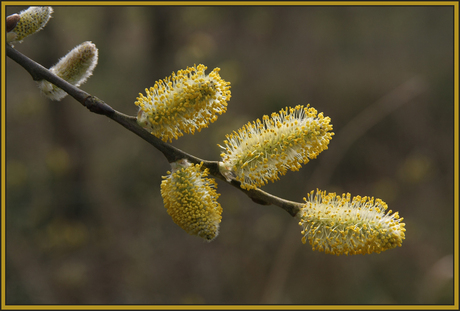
85 220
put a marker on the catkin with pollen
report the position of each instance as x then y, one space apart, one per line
191 199
341 225
183 103
263 150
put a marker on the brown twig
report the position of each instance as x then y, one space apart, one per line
172 154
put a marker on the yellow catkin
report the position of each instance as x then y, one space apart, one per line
340 225
184 102
261 151
191 199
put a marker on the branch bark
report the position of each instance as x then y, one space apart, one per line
171 153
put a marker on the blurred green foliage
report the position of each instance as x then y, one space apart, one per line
85 219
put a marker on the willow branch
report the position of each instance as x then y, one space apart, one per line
172 154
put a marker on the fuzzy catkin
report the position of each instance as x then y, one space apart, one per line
191 199
263 150
76 67
343 225
30 21
185 102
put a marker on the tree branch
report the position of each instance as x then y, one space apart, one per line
172 154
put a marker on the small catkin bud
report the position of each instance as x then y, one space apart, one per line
262 150
11 22
76 67
340 225
183 103
191 199
30 21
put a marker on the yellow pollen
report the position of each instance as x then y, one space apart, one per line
184 102
191 199
282 142
356 225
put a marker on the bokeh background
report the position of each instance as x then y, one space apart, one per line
85 219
